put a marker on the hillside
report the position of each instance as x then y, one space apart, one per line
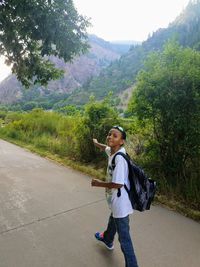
122 72
78 72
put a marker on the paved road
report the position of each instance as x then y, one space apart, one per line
48 214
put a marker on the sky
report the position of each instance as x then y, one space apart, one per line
115 20
129 19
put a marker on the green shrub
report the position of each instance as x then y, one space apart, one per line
98 118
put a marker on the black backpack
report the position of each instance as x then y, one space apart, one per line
142 188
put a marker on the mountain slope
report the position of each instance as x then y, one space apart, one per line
78 72
121 73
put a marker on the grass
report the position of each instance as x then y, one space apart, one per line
89 169
99 173
175 205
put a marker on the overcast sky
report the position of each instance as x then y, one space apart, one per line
129 19
124 20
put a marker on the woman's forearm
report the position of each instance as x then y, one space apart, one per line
99 145
108 185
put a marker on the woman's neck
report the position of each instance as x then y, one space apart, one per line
114 149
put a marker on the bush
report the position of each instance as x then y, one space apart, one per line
3 114
98 118
167 100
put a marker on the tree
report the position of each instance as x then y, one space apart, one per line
29 105
98 118
167 96
31 31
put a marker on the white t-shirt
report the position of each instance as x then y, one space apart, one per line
120 206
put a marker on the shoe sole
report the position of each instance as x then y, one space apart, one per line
109 248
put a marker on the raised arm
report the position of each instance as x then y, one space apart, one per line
99 145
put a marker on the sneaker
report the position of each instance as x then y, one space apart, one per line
100 237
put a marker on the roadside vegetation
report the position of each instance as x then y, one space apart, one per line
162 123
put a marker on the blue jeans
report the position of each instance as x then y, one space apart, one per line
121 226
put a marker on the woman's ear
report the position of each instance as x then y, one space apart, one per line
122 142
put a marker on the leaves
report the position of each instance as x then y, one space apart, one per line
167 96
30 31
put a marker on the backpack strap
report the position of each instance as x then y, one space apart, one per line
127 158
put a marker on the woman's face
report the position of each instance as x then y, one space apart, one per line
114 138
